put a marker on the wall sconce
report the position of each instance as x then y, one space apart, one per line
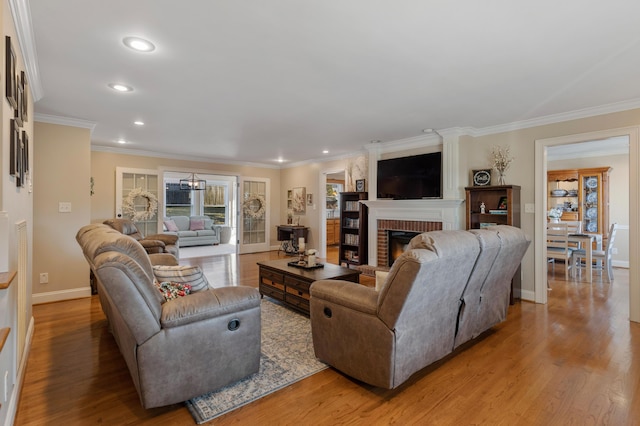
193 183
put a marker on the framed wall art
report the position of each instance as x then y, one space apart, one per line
25 153
299 200
14 151
10 72
25 97
360 185
17 111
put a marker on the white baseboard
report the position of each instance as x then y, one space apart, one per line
527 295
12 410
58 296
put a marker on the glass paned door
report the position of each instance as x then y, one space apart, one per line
254 211
592 194
143 180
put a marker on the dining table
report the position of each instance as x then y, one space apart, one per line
586 241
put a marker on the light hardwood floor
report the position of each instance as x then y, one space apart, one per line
573 361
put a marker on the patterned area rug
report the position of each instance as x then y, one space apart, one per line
287 357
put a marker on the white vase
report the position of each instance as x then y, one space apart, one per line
554 220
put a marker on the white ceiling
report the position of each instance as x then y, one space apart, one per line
255 80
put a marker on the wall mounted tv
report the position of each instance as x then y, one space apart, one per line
410 178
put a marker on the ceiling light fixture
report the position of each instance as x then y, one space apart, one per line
138 44
122 141
326 151
193 183
138 123
121 87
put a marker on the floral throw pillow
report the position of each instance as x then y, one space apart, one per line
171 290
188 274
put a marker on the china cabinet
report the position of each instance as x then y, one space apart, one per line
582 195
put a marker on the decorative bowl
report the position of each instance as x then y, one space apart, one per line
558 192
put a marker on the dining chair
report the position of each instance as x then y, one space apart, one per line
602 256
558 246
573 227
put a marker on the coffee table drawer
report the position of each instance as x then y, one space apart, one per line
298 293
271 291
297 302
299 284
273 276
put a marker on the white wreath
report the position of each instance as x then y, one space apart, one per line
129 205
248 209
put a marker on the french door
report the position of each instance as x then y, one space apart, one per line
254 215
127 180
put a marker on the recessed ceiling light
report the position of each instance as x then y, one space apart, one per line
122 141
138 123
280 160
138 44
326 151
121 87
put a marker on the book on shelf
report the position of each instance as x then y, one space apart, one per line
487 224
497 212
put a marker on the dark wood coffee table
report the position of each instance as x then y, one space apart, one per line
290 285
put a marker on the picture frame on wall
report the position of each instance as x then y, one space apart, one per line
309 199
25 98
10 72
17 111
360 184
19 169
14 150
299 200
25 156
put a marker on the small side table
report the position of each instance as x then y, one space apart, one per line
289 235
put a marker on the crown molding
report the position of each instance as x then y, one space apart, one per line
65 121
557 118
21 14
173 156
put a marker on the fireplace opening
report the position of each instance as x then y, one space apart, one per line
397 243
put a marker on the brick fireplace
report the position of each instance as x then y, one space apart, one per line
407 215
386 225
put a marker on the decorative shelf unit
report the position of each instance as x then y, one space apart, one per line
353 228
493 197
586 199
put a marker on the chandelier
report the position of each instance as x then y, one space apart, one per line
193 183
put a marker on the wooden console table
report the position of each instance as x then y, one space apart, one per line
290 285
291 233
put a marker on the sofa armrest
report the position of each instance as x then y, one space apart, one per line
152 244
167 239
208 304
346 293
163 259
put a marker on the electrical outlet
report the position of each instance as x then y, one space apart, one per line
529 208
44 277
614 250
64 207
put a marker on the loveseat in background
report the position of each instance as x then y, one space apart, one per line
193 230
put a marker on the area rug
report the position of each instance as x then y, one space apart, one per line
287 357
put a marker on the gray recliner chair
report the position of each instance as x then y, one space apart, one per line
445 289
176 349
156 243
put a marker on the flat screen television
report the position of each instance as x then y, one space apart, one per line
411 178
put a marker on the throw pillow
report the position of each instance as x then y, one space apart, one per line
196 224
191 275
171 290
171 225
